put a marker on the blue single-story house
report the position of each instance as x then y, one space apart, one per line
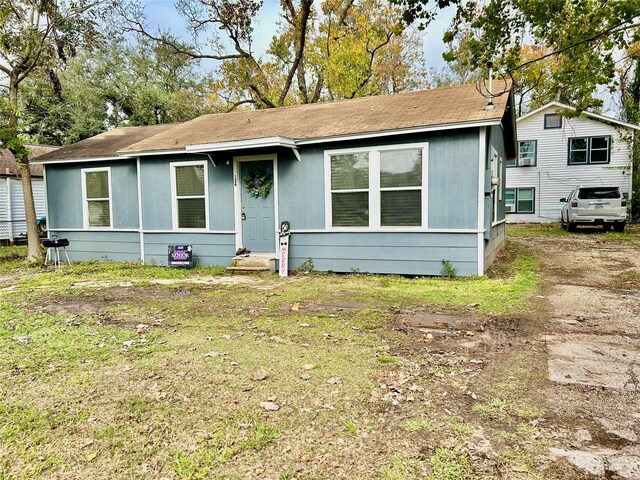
387 184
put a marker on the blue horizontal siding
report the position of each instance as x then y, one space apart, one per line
399 253
101 245
208 248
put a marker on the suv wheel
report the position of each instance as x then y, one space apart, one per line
571 227
619 227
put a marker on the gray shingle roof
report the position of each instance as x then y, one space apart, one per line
8 161
107 144
382 113
379 114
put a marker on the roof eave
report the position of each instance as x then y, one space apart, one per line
37 161
278 141
597 116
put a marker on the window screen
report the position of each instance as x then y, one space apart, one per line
350 190
98 199
190 196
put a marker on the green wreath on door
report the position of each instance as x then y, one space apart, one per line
258 182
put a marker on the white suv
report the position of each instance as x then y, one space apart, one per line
594 206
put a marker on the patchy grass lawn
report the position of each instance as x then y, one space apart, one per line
104 373
520 230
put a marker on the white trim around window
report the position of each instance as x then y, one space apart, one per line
85 199
175 198
374 189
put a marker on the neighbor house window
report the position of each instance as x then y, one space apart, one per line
97 197
552 120
527 154
587 150
190 195
377 187
520 200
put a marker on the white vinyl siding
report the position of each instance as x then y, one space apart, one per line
552 177
12 205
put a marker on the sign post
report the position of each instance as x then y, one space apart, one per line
284 249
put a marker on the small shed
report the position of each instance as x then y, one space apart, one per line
397 184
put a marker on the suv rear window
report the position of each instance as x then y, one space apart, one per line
597 193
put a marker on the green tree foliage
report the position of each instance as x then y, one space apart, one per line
630 101
142 83
37 36
580 36
333 49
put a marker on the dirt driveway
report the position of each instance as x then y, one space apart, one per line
589 326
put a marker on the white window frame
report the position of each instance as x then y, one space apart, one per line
374 187
85 200
174 194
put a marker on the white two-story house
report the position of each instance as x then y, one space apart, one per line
556 153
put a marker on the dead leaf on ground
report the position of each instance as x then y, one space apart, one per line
259 375
270 406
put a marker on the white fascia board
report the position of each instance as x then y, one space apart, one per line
400 131
151 153
544 107
597 116
74 160
240 144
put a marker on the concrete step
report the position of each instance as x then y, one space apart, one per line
253 263
248 270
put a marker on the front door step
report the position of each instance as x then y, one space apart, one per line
253 263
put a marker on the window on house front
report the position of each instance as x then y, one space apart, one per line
401 188
588 150
527 154
520 200
552 120
350 189
377 187
190 191
97 193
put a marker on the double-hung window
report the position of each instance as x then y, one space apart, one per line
401 188
190 195
527 154
520 200
350 189
96 189
587 150
377 187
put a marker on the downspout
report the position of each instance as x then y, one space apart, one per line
482 166
140 224
9 208
538 205
46 199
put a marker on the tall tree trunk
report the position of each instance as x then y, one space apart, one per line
34 252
